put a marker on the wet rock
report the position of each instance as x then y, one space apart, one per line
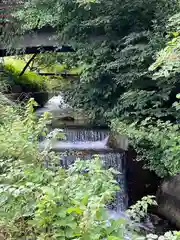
160 225
140 182
16 89
117 141
145 226
168 199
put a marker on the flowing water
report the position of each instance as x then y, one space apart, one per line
83 143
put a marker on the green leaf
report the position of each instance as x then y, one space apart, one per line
76 210
61 222
69 233
85 199
60 233
112 238
48 190
178 96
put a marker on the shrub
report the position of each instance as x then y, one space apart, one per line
53 203
158 144
61 204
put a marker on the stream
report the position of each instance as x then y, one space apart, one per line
83 142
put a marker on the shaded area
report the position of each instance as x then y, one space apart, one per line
37 41
34 49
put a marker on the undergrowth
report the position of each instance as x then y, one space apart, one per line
157 143
43 203
54 203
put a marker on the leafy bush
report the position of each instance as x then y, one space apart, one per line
19 132
167 62
158 144
139 210
52 203
61 204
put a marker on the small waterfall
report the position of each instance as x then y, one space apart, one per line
115 160
55 105
85 135
83 143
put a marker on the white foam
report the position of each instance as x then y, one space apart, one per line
55 105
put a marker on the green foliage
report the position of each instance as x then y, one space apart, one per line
19 132
29 81
167 67
52 63
167 62
50 203
115 42
157 143
80 210
139 211
57 204
53 203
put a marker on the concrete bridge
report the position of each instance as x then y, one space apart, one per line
37 41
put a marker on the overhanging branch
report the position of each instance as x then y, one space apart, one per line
27 64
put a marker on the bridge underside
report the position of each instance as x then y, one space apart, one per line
40 41
34 49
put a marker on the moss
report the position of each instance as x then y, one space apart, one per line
29 81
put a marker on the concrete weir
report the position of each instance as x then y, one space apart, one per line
83 141
84 144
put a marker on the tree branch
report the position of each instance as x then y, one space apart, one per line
27 64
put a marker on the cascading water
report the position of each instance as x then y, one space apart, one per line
85 135
83 143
